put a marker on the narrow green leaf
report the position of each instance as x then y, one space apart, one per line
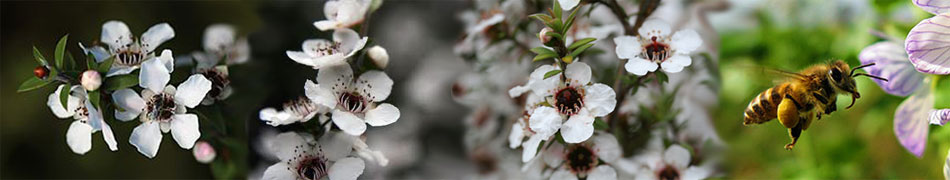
91 62
551 73
94 98
70 61
581 42
544 56
60 50
64 95
120 82
556 35
32 83
577 52
39 57
570 21
661 77
105 65
542 50
557 10
599 124
544 18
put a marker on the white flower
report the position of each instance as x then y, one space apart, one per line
343 14
220 43
220 84
203 152
568 4
90 80
129 52
320 53
379 56
88 119
298 110
573 99
162 111
671 163
655 48
591 160
353 101
301 158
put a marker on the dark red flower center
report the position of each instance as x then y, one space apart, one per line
568 101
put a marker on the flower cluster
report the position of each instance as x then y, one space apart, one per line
349 91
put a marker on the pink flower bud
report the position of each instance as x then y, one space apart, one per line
204 152
379 55
545 38
90 80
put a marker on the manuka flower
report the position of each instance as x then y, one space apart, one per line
129 52
320 53
343 14
592 159
302 158
655 47
88 119
221 43
353 101
297 110
672 163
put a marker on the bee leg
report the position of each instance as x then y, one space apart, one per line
788 112
794 132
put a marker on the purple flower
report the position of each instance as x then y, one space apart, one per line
892 63
933 6
911 121
940 116
928 44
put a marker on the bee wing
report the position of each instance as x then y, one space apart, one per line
778 76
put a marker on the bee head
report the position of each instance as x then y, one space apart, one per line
845 82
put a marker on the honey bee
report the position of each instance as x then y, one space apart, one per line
804 96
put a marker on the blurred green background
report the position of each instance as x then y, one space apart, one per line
856 143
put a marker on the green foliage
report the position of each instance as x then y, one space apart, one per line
551 73
32 83
64 95
39 57
60 51
119 82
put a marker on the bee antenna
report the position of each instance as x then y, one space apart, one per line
859 67
869 75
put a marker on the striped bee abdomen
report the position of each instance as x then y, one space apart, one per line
763 108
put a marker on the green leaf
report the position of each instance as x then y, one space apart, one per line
70 61
556 35
544 56
599 124
39 57
32 83
551 73
570 21
661 77
60 50
94 97
64 95
105 65
581 42
557 10
542 50
941 90
577 52
120 82
91 62
544 18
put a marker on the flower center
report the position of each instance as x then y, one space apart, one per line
129 56
656 51
352 102
581 159
301 106
668 173
219 81
312 167
161 107
323 49
568 101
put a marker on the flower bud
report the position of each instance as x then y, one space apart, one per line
379 56
542 35
41 72
90 80
203 152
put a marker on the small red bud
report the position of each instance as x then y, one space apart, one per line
41 72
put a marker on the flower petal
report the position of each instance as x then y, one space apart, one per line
640 66
337 145
676 63
562 174
154 76
156 35
539 84
382 115
545 121
79 137
348 122
168 60
891 62
927 45
192 91
346 169
600 99
696 173
940 116
516 135
568 4
335 78
530 149
676 156
109 137
685 41
217 37
324 25
127 100
578 72
607 147
603 172
284 145
97 122
146 138
320 94
116 34
56 105
300 57
375 84
313 47
349 40
628 47
911 121
933 6
654 27
279 171
578 128
185 130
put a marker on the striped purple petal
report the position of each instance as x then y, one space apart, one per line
933 6
940 116
911 121
928 45
892 64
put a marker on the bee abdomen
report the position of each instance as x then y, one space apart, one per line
763 108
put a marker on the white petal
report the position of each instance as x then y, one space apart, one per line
541 85
146 138
375 84
640 66
677 156
279 171
695 173
320 94
517 91
628 47
129 101
55 104
545 121
350 41
336 76
562 174
300 57
79 137
603 172
568 4
324 25
217 37
168 60
675 64
685 41
578 72
530 149
192 91
516 135
109 137
348 122
115 34
607 147
346 169
337 145
185 130
284 145
156 35
654 27
154 76
117 70
97 122
578 128
312 46
382 115
600 99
